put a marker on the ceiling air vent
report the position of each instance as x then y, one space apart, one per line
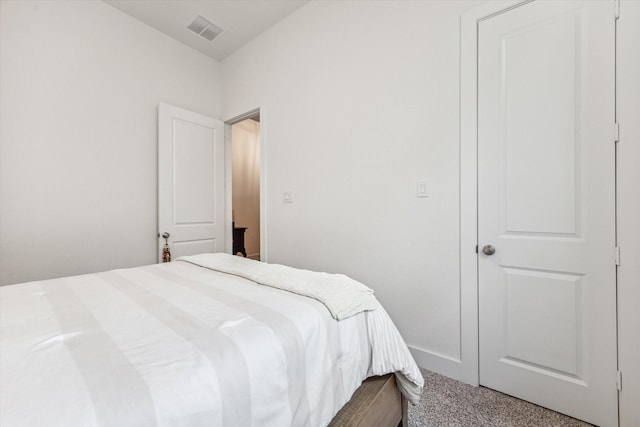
204 28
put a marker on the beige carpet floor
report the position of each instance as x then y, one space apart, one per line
449 403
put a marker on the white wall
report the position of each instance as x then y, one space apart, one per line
629 211
245 161
360 99
80 84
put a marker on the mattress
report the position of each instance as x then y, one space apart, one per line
179 344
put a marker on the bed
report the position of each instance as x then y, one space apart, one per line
208 340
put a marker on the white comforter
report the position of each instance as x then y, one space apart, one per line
180 345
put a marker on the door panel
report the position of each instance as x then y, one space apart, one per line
539 79
190 181
528 290
546 202
194 173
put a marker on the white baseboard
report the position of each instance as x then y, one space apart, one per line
441 364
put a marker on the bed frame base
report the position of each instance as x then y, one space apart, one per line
376 403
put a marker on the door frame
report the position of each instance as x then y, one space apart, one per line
469 322
228 188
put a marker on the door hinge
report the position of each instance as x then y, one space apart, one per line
616 132
619 380
617 258
476 248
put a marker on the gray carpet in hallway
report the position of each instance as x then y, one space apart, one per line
449 403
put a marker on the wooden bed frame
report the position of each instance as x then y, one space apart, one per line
376 403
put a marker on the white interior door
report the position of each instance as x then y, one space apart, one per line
546 187
191 194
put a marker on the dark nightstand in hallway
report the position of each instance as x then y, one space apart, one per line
238 240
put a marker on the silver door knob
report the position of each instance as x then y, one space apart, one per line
488 250
166 235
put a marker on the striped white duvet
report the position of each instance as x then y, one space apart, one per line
180 345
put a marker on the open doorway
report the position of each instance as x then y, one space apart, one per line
245 185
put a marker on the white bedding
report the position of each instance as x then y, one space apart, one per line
180 345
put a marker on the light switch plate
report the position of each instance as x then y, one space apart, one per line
287 197
422 188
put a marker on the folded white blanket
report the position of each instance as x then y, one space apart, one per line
342 295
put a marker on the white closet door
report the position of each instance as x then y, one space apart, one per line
190 182
546 188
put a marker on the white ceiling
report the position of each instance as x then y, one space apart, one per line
241 20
